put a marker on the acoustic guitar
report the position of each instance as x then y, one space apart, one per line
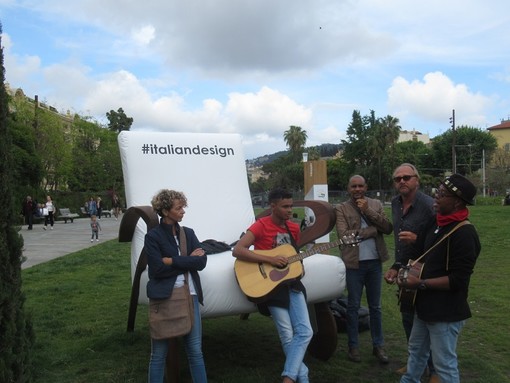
407 297
258 279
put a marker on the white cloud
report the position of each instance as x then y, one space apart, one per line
435 97
144 35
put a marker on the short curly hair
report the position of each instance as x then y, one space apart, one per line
165 200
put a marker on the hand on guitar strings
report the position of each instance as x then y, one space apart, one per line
279 261
408 280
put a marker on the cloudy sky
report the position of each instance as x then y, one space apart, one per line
255 67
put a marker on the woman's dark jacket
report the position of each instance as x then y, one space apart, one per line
455 257
159 243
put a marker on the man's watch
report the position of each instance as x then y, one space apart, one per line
422 285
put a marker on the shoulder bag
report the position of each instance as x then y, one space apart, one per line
173 316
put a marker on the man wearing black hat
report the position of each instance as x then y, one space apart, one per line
440 281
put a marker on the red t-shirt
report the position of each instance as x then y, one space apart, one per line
268 235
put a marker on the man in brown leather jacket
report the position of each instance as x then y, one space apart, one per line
363 217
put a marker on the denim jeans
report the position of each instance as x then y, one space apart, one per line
440 338
295 332
368 275
407 322
192 346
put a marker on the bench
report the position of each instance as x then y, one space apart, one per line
66 214
104 213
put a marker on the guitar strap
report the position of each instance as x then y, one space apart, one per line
292 240
462 223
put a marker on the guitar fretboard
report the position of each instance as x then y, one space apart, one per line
323 247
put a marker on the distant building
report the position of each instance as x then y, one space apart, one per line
502 134
255 172
406 135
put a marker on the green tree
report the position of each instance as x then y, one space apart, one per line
118 121
95 158
356 145
16 333
470 144
54 146
369 147
295 138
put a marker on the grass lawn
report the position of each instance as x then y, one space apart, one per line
79 306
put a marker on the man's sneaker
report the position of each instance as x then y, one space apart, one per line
380 354
44 227
97 240
91 240
353 355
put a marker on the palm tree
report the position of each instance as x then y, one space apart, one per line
295 138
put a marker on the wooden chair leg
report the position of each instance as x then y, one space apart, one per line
324 342
172 361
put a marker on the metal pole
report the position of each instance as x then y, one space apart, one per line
483 171
454 156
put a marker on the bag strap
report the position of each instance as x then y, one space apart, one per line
462 223
292 239
183 247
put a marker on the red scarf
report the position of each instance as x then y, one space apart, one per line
443 220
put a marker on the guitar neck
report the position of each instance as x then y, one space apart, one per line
316 249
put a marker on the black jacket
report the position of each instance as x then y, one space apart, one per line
455 257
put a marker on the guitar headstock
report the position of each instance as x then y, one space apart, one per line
351 240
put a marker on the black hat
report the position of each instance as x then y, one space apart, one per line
461 187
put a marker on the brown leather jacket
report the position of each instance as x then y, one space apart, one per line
348 222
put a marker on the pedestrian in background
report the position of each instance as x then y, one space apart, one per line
95 227
99 207
27 210
50 213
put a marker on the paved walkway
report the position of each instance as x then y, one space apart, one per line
43 245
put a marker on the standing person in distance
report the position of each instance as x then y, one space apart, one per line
50 218
92 207
412 214
99 206
167 269
27 210
116 206
364 217
442 289
287 302
95 227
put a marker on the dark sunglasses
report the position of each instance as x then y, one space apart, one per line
405 178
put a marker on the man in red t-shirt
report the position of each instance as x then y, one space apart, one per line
287 302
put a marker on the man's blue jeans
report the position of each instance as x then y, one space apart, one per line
440 338
368 276
295 332
192 346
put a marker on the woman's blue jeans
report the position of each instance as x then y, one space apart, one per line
192 346
368 276
295 332
440 338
